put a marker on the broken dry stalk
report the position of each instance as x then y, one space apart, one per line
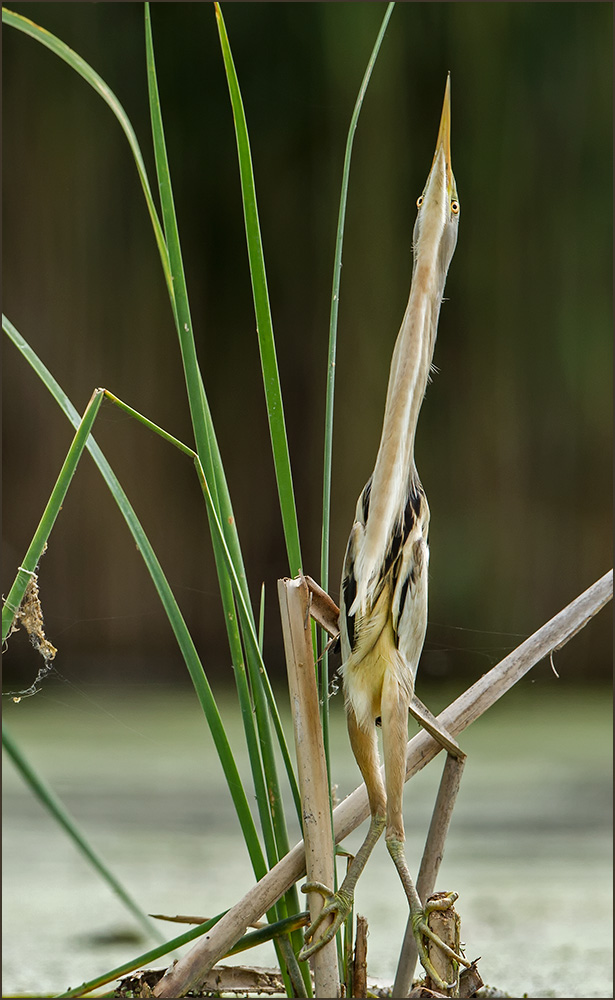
359 966
447 925
313 784
470 982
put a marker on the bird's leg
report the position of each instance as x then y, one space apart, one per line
337 904
419 915
394 714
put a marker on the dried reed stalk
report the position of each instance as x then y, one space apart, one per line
311 765
359 965
447 925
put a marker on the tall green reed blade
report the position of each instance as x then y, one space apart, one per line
180 630
289 904
269 799
203 427
35 550
253 640
330 393
268 796
205 438
261 619
214 476
98 84
50 800
275 411
258 764
271 378
335 301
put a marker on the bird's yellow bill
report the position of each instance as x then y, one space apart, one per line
444 134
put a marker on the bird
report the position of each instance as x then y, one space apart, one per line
383 603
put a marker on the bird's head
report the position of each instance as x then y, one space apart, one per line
437 221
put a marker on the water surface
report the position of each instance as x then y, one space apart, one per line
529 850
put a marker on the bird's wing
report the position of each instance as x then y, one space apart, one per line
409 604
403 574
348 591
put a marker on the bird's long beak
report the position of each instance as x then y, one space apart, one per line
444 135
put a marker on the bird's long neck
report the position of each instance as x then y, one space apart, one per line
410 365
395 469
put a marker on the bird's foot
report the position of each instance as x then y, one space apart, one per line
422 931
337 905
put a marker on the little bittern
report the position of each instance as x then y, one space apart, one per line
383 612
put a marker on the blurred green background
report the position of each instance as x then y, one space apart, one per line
514 440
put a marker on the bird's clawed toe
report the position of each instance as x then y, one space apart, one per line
441 903
337 905
422 932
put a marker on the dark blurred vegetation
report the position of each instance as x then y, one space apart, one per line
514 444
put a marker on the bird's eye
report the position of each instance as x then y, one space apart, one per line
455 207
419 201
